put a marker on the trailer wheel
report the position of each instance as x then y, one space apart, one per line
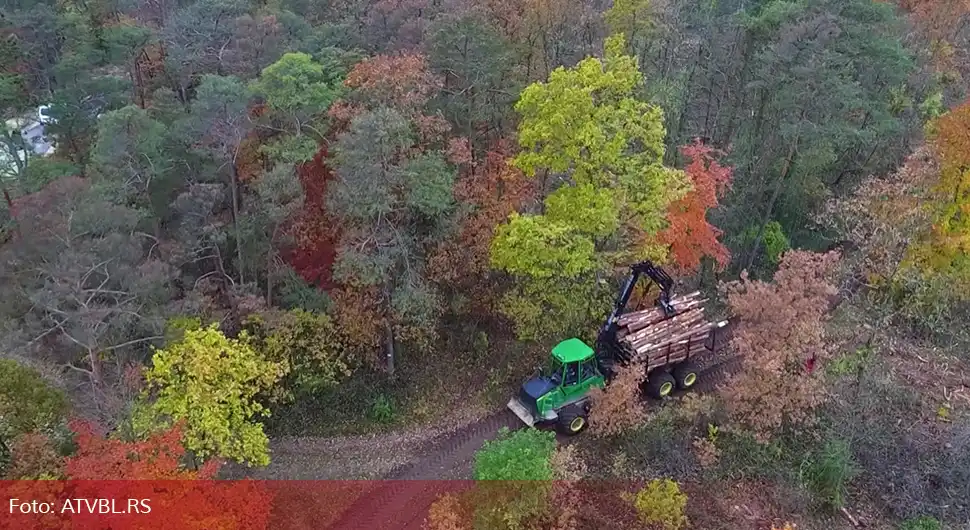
572 422
685 374
660 384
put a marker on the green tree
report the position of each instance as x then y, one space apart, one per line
211 382
130 162
311 351
219 121
394 200
27 401
600 150
125 45
297 91
76 106
838 126
475 59
634 19
276 198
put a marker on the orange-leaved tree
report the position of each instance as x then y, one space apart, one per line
689 234
157 457
188 497
947 250
491 189
781 337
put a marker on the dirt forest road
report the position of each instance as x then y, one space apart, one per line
409 470
401 502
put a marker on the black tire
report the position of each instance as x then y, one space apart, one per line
660 384
685 374
572 421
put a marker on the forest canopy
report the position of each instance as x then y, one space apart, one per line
247 220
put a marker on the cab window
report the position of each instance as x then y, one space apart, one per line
572 374
589 369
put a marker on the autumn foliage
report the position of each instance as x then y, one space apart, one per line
947 249
689 235
315 236
403 82
158 457
883 214
448 513
781 337
112 463
494 189
33 456
398 81
941 23
619 407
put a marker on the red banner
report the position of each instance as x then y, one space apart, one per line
242 504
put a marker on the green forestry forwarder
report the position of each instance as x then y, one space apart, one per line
665 342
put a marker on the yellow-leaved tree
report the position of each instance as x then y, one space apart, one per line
947 249
597 153
210 382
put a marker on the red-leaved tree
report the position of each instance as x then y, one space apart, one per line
154 468
781 337
313 233
159 457
689 235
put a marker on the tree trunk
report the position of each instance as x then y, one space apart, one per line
389 349
673 154
389 346
96 378
269 276
771 203
233 179
733 119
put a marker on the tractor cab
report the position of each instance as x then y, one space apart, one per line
560 392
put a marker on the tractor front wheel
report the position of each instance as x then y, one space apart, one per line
572 422
660 384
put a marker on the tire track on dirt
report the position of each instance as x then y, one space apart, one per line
410 489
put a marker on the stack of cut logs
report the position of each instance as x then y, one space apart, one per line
659 339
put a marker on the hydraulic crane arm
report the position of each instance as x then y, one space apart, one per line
658 275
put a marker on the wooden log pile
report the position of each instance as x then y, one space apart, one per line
658 339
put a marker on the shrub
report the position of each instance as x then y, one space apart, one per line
308 346
828 473
515 472
447 513
516 455
382 409
661 504
32 457
619 408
